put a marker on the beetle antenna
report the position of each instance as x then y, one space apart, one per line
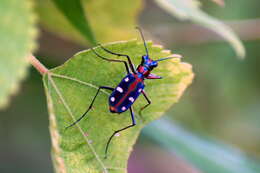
163 59
146 49
172 56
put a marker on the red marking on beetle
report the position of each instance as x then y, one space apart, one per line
137 78
112 108
141 69
130 89
146 73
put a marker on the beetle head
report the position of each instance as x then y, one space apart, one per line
148 62
147 65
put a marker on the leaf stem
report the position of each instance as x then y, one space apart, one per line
37 65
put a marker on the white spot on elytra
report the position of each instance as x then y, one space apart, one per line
119 89
123 108
140 90
131 99
126 79
112 99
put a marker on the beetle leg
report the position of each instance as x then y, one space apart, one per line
90 106
145 106
118 54
113 60
111 137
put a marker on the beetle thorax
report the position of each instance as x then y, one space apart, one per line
144 71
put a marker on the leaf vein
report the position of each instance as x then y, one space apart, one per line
80 129
77 80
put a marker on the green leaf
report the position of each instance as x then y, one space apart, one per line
107 20
74 13
208 155
189 10
17 37
71 87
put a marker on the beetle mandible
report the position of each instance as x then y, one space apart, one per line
131 86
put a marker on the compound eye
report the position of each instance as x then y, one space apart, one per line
144 59
154 64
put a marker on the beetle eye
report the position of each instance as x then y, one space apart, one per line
154 64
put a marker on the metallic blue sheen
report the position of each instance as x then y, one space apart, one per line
131 89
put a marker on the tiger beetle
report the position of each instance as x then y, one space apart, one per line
130 87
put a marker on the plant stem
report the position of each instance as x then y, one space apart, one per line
37 65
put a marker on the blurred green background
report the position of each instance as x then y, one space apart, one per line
222 103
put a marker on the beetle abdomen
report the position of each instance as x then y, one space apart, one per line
125 94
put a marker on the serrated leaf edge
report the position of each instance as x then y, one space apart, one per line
58 161
14 88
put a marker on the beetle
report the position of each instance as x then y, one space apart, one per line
131 86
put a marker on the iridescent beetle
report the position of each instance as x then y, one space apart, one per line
130 87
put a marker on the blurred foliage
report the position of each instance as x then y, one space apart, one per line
206 154
24 136
240 10
69 85
17 37
223 101
189 10
74 12
110 20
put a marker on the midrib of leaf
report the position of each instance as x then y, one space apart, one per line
74 119
50 75
77 80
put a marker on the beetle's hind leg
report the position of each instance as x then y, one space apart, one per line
113 60
90 106
132 67
111 137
